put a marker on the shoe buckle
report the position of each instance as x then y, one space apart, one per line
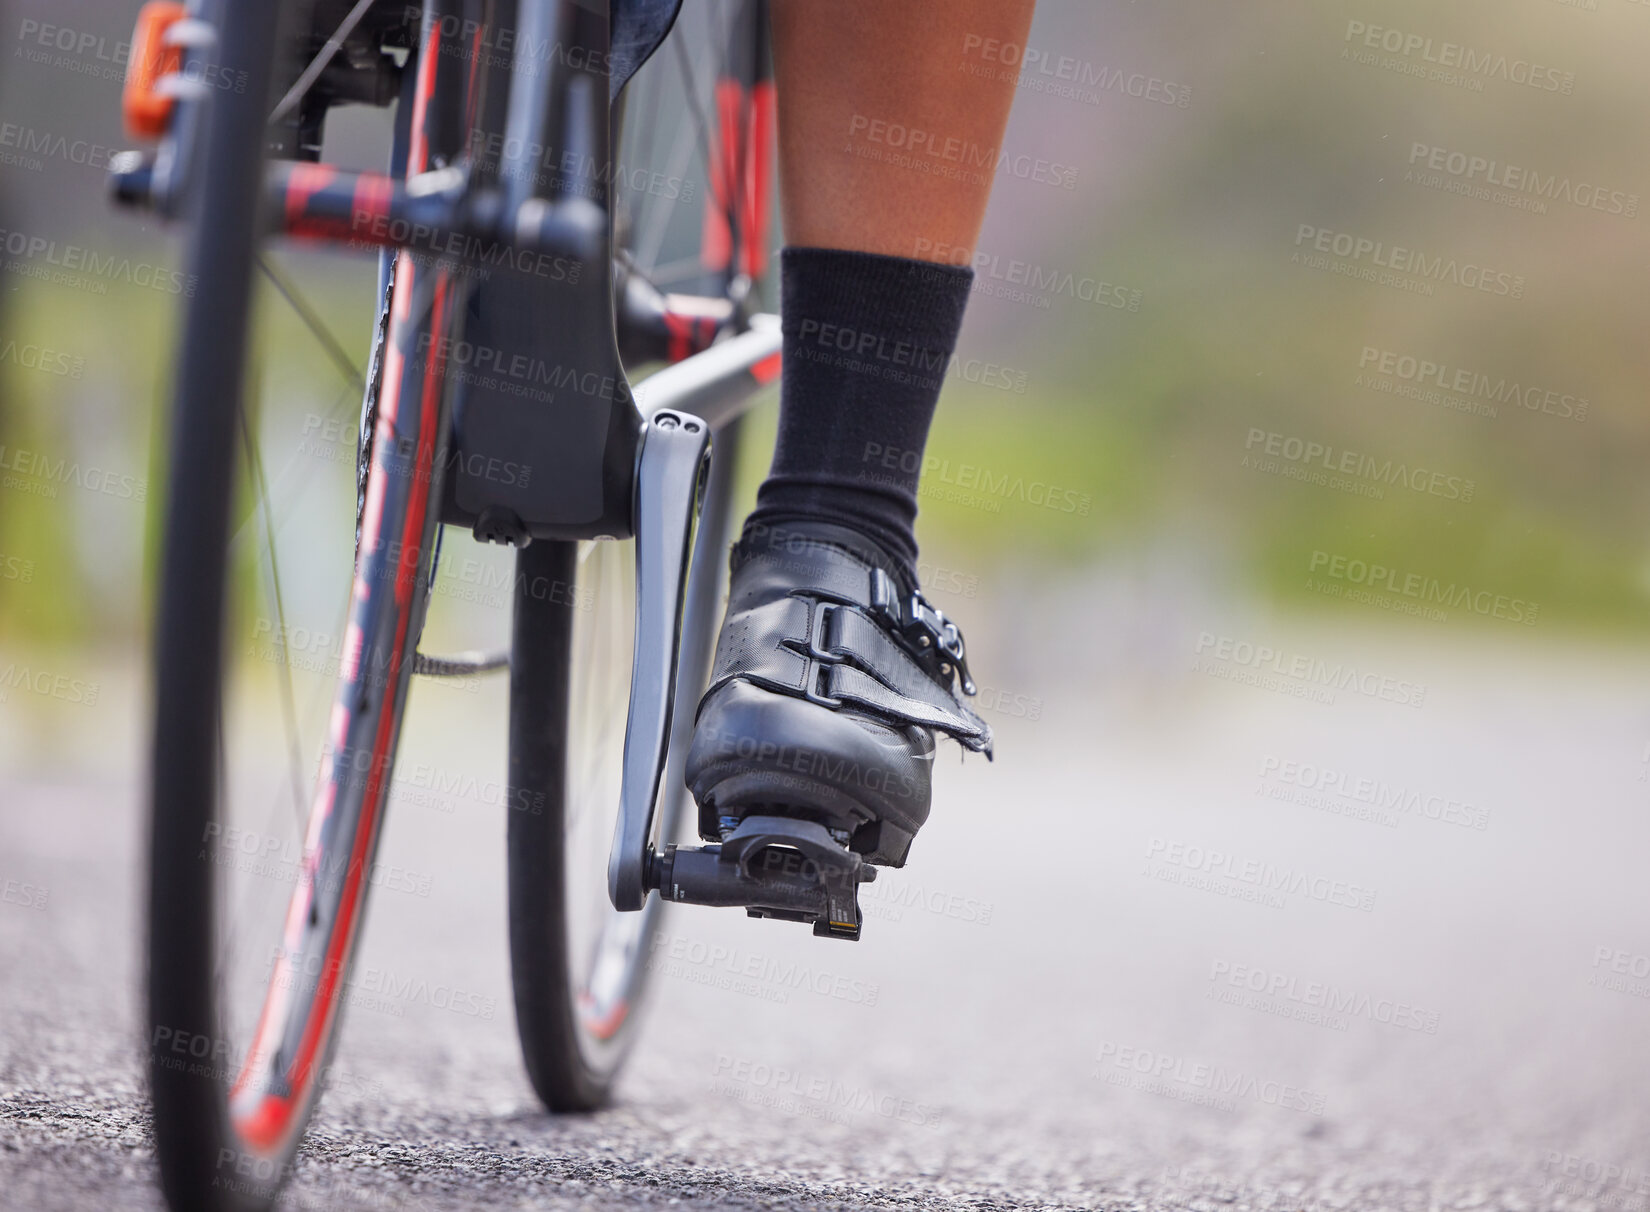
819 660
810 680
816 634
923 627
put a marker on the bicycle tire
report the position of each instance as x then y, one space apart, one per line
228 1121
187 1106
575 1038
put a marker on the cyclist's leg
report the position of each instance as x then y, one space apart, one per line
874 286
886 144
887 152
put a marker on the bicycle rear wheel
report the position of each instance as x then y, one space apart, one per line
277 705
691 172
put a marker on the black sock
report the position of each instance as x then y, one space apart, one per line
868 341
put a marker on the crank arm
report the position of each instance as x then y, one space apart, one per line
670 477
774 867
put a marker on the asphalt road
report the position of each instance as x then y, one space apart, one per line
1093 988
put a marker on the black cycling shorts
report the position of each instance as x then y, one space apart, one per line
638 28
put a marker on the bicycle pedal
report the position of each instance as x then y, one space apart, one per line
774 867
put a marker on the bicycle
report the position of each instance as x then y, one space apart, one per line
506 222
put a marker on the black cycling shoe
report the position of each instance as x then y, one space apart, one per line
832 676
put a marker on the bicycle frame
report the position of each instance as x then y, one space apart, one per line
601 461
549 301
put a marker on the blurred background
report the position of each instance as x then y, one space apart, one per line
1290 487
1139 316
1188 210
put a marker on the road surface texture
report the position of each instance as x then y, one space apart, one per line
1151 958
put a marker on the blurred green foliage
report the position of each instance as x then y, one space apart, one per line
1142 417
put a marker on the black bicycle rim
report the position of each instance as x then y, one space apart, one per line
231 1107
579 990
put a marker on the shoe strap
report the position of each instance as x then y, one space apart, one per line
821 644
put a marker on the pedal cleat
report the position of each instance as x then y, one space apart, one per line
774 867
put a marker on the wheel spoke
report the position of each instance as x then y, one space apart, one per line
289 708
355 383
312 320
696 106
734 157
646 135
649 242
312 73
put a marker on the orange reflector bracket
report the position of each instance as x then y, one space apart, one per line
146 110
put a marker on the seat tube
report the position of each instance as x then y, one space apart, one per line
579 442
558 93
